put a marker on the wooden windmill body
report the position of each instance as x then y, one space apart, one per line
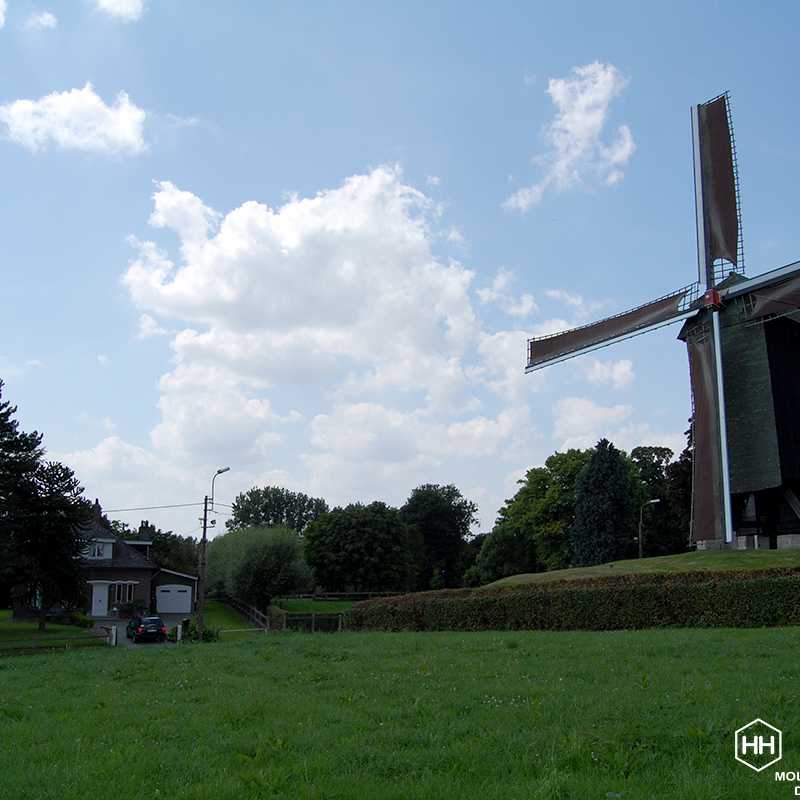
743 341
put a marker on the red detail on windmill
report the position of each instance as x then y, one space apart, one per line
711 299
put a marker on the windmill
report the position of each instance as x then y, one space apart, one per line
743 340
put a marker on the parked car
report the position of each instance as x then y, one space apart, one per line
141 628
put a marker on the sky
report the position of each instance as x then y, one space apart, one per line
309 241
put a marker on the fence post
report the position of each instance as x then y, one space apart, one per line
339 628
113 636
179 633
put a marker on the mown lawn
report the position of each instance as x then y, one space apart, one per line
320 606
685 562
221 616
517 716
14 635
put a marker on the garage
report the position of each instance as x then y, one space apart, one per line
174 598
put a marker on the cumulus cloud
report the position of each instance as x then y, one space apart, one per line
41 20
580 422
149 327
324 345
577 151
125 10
498 293
77 119
617 374
2 13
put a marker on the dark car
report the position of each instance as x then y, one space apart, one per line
146 628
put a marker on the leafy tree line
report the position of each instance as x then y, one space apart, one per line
582 508
355 548
44 519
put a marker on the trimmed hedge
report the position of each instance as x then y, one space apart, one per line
749 599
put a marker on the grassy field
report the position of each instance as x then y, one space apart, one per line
686 562
517 716
26 634
320 606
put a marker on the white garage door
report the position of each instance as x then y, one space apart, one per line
174 599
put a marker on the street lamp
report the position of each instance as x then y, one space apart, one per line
201 582
641 513
216 475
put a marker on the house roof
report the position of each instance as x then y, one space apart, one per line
124 556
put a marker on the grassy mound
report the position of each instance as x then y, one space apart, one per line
700 561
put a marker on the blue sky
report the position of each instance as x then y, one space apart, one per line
291 247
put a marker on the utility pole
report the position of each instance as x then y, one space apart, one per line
201 583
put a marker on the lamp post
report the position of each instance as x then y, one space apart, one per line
201 583
641 514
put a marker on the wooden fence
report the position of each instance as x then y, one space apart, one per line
308 621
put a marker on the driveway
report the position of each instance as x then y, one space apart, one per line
170 620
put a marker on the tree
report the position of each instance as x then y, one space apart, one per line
679 494
605 508
531 532
442 518
20 456
361 548
274 506
236 559
273 566
50 537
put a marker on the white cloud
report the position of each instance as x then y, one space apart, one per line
577 152
618 374
103 360
2 13
498 293
125 10
433 181
77 119
322 344
580 422
148 327
41 19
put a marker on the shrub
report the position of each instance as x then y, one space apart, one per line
692 599
189 633
80 619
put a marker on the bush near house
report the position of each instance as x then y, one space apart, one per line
691 599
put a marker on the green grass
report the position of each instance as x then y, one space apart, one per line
517 716
219 615
14 635
320 606
709 560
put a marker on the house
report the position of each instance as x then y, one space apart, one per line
121 574
122 571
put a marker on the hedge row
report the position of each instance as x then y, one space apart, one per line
692 599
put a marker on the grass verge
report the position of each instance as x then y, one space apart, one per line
518 716
309 606
26 635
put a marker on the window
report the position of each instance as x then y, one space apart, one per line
122 592
99 550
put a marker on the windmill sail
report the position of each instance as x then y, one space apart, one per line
718 180
546 350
